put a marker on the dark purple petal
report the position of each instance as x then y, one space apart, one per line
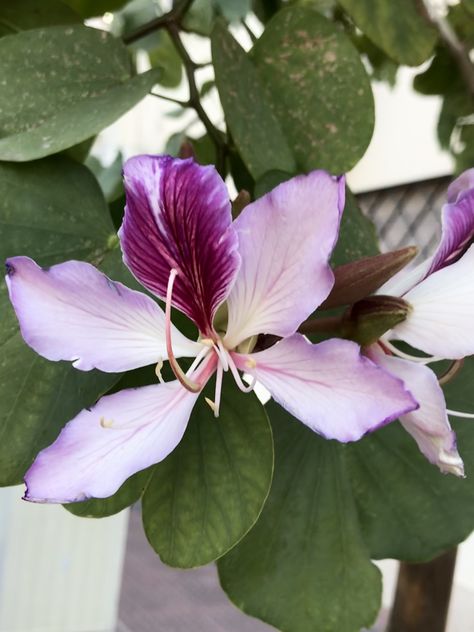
178 215
457 229
461 185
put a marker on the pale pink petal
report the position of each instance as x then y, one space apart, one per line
441 321
429 425
72 311
122 434
285 241
330 386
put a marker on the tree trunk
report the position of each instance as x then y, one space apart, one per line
422 597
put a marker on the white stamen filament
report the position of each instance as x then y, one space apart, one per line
222 354
177 370
200 356
457 413
238 380
406 356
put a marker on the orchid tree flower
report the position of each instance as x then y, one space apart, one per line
270 266
440 322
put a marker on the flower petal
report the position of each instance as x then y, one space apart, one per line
330 386
178 215
442 316
429 425
461 185
90 460
457 231
72 311
285 241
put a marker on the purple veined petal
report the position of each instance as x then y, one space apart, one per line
178 216
285 241
429 425
457 230
103 446
330 386
73 312
461 185
441 320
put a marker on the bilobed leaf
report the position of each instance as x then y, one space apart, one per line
23 15
408 509
254 127
317 87
304 566
73 81
128 494
398 28
205 496
51 210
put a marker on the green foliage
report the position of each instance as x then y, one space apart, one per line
51 210
90 8
72 83
209 492
398 28
328 123
23 15
305 562
254 127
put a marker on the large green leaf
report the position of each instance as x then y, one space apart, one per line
318 89
22 15
304 566
51 210
408 510
398 28
73 81
209 492
253 125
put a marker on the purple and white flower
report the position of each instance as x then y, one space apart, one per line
440 322
268 270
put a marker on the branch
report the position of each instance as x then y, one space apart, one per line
172 17
194 100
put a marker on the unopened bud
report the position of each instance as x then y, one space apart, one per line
186 150
369 319
358 279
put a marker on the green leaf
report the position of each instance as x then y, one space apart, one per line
200 17
91 8
357 235
23 15
469 5
73 81
441 77
318 89
255 129
109 178
233 10
304 566
51 210
128 494
209 492
398 28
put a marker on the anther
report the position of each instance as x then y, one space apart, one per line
250 363
158 368
212 405
106 423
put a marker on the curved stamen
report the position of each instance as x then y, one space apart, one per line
177 370
457 413
406 356
215 405
221 354
238 380
451 373
200 356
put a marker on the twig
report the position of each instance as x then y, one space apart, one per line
251 34
183 104
194 100
172 17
